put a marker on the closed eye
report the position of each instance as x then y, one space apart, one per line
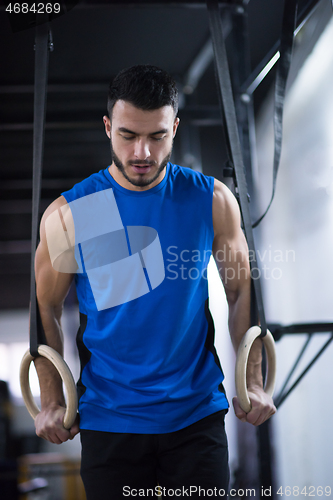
158 138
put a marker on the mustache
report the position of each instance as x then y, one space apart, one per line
142 162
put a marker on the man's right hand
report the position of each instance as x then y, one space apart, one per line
49 425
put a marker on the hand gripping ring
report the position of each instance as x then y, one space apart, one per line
64 372
241 365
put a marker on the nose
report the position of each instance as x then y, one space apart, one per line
141 151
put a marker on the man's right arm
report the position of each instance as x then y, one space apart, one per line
52 287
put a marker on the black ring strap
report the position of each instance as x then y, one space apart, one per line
286 47
42 46
229 113
228 110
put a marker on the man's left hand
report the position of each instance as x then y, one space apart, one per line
262 407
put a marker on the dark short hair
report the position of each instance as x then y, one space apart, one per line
145 87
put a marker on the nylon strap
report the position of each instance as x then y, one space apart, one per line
37 335
286 47
227 100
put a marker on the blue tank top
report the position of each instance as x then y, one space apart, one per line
146 337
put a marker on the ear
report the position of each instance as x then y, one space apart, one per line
175 126
107 125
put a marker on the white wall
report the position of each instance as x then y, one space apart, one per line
219 309
301 220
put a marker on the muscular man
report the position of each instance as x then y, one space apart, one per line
139 236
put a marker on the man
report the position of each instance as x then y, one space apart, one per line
139 235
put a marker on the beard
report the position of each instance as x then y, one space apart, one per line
141 181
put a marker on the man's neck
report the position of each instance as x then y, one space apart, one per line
125 183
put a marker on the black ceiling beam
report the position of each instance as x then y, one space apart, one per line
60 125
85 3
204 113
150 3
263 68
55 87
189 4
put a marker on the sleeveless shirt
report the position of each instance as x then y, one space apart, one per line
146 336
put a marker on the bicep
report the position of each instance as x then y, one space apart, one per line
231 257
230 248
52 285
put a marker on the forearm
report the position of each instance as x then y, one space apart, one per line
239 323
49 379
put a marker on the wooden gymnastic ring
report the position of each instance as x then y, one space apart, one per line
64 372
241 365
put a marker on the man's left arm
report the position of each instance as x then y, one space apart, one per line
232 258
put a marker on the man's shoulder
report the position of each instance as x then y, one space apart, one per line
222 194
98 181
225 208
186 171
58 236
188 176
